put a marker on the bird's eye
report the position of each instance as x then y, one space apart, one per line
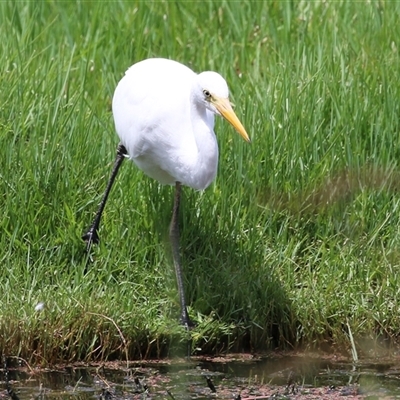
206 93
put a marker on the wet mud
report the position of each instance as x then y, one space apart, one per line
234 377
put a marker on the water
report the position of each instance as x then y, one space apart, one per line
284 377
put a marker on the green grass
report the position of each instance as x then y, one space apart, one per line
297 240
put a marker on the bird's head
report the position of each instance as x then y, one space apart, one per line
215 97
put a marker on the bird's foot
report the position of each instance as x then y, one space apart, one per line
91 236
188 325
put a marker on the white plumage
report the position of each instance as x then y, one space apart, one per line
164 116
166 122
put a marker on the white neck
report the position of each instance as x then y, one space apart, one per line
206 164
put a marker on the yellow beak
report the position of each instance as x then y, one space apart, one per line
225 109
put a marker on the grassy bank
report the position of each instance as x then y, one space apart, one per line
297 240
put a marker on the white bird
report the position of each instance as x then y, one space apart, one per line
164 116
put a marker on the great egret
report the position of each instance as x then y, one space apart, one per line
164 117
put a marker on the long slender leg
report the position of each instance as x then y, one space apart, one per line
174 237
91 236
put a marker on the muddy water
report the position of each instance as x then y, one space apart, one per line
277 378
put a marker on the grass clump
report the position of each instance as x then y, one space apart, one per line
295 242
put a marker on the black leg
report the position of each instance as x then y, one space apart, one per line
91 236
174 236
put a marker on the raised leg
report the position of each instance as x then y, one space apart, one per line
174 236
92 236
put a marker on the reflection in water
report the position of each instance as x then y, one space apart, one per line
197 380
